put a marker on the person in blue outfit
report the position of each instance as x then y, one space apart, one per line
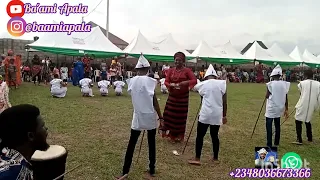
22 132
78 72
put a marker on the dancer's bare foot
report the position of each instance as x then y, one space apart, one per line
149 176
297 143
123 177
215 161
195 161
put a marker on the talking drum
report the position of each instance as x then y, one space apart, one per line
48 165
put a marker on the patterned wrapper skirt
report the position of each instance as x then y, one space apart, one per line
175 116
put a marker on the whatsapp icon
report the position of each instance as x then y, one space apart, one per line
291 160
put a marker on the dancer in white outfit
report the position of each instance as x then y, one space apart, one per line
118 85
103 85
163 87
58 87
86 85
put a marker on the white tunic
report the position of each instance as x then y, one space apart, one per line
141 89
85 85
276 102
56 88
64 73
309 100
212 91
119 85
162 85
103 85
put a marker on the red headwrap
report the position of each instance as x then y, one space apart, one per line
180 55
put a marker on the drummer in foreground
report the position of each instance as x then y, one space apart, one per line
22 132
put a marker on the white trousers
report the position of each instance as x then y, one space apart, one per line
87 90
62 92
164 89
103 90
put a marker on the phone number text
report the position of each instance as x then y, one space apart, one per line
271 173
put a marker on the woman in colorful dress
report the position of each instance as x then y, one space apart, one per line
260 77
4 95
179 81
17 64
36 69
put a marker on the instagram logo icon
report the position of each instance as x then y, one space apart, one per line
16 26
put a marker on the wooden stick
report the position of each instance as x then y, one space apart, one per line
67 172
195 119
264 101
140 146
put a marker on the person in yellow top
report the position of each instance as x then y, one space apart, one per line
201 73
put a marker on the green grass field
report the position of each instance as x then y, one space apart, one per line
95 131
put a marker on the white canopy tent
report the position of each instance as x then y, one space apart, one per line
168 47
204 50
140 45
296 54
93 42
310 58
224 54
280 55
256 52
228 51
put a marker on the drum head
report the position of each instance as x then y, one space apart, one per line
53 152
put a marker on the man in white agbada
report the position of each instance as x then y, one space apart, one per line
58 87
103 86
213 112
277 103
308 103
118 86
163 87
146 107
86 85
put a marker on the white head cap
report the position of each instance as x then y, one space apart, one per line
276 71
263 151
210 71
142 62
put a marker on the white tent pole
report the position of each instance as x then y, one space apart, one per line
107 28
